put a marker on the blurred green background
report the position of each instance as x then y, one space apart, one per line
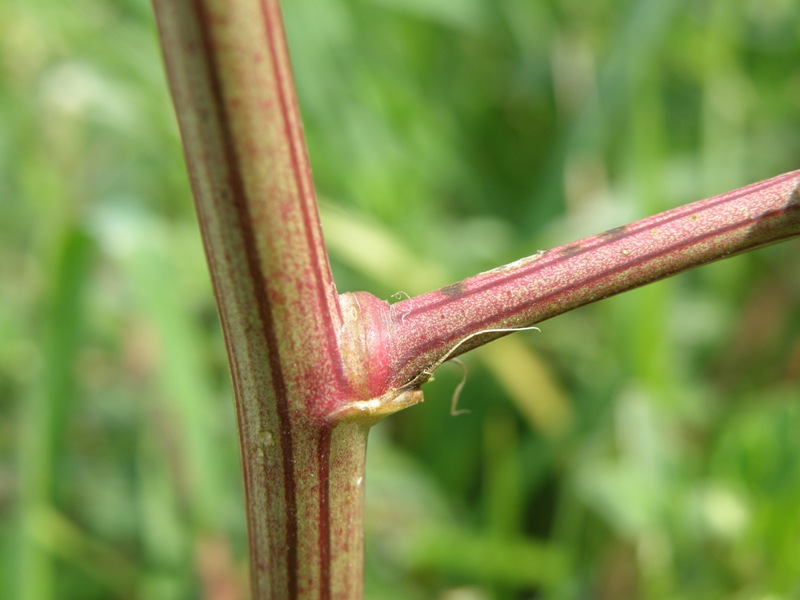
644 447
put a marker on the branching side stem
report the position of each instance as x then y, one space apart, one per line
547 284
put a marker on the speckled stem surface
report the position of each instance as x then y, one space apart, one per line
230 79
428 327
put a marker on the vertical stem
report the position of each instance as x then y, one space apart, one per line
231 83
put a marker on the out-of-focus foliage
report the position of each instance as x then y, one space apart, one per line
645 447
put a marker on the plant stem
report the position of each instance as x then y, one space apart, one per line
230 79
427 328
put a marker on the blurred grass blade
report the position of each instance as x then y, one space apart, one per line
187 396
46 413
64 540
376 252
536 393
487 559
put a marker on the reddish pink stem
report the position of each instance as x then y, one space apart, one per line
231 83
428 327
